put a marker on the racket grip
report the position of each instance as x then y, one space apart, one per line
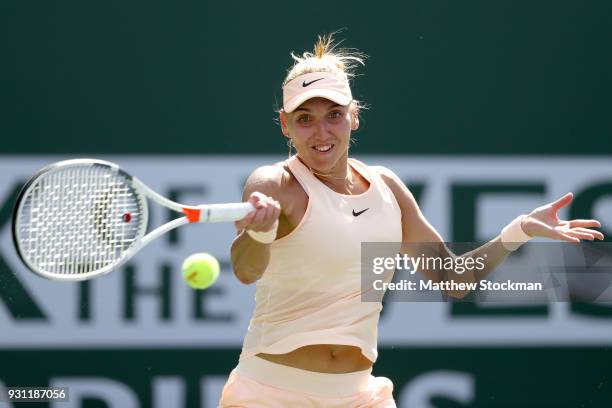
225 212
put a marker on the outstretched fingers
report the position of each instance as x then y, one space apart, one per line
594 233
562 201
579 234
566 236
584 223
561 234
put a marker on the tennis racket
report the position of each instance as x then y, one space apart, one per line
79 219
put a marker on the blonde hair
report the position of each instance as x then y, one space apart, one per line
327 57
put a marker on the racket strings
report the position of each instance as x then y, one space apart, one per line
74 220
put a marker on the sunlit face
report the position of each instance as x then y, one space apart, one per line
320 130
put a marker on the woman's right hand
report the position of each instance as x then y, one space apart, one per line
265 216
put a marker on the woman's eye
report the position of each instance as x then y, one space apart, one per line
304 119
334 115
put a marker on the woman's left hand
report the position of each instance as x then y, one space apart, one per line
544 222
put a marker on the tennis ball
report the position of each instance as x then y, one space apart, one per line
200 270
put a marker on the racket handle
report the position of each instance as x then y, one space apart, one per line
225 212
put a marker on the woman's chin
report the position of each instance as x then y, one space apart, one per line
322 164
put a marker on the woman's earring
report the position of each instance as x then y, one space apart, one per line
290 146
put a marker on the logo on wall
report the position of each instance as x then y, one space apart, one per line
146 303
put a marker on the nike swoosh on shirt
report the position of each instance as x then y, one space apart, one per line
358 213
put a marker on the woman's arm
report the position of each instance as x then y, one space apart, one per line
419 237
249 256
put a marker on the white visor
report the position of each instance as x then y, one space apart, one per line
316 84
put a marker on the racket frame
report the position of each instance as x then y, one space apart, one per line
193 214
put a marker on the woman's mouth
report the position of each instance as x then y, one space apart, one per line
323 148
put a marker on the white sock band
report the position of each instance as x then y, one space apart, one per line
513 236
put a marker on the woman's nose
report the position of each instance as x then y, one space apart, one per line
322 128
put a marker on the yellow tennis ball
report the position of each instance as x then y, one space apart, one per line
201 270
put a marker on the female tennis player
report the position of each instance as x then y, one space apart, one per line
311 341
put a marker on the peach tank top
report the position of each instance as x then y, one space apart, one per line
310 293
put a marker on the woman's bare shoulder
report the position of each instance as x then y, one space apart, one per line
388 176
272 180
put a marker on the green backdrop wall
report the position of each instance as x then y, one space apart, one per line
443 77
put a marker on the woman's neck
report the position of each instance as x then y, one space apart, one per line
339 178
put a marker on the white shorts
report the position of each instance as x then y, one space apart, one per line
258 383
